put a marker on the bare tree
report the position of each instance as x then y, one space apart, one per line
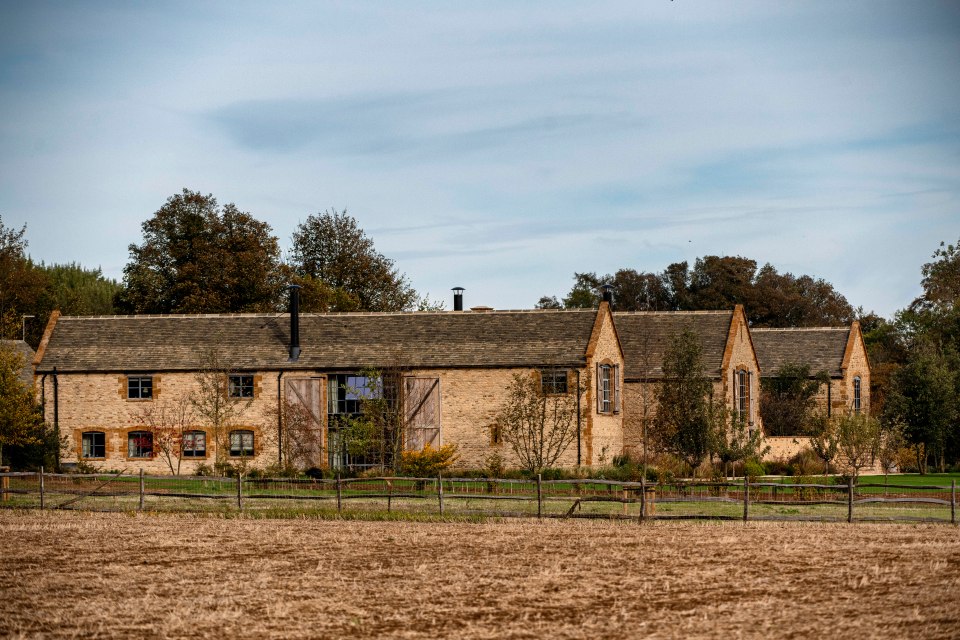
212 402
168 422
538 426
858 439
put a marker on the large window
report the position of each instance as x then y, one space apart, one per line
241 443
93 444
857 406
240 386
553 381
139 387
195 444
742 391
139 444
608 388
345 395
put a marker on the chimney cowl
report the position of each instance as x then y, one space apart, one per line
458 298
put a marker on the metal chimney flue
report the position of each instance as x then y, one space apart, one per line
458 298
294 322
608 294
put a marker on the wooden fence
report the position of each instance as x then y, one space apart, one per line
493 497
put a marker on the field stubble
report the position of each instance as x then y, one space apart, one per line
123 575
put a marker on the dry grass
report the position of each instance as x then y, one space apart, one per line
120 575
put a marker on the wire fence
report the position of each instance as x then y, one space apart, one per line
485 497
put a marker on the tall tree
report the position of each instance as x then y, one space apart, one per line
343 271
20 420
22 284
688 420
788 400
199 257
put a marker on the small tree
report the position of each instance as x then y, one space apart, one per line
736 441
538 426
168 422
824 442
211 401
892 442
20 420
858 441
687 417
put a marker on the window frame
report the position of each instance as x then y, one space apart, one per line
140 387
192 451
139 452
742 393
857 394
551 379
241 450
240 390
84 448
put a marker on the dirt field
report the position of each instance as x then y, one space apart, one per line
117 576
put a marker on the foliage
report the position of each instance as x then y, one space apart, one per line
924 397
429 462
539 427
858 441
824 442
21 423
770 298
341 270
199 257
77 291
788 400
738 441
688 420
21 283
890 451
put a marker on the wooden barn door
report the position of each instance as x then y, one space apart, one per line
422 409
304 422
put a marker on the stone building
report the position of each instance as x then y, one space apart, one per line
837 351
728 356
101 378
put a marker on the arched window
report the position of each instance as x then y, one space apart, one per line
856 395
241 443
195 444
741 393
93 444
139 444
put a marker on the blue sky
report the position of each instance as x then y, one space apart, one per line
499 146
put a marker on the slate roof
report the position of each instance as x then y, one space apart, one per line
21 347
822 348
645 336
328 341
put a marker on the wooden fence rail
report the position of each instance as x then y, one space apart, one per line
566 498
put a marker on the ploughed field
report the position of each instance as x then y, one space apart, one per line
120 575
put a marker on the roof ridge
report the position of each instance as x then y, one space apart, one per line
671 313
756 329
280 314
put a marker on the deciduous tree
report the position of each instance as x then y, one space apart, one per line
788 400
21 422
332 252
199 257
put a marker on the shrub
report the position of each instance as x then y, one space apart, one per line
752 469
281 470
314 472
203 469
429 462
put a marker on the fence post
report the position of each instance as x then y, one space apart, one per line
440 491
746 496
539 498
643 498
240 491
624 500
140 508
389 494
4 484
850 499
42 493
339 492
953 502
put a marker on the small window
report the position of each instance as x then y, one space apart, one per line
241 386
139 444
496 434
195 444
743 395
241 443
93 444
140 387
857 406
553 381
